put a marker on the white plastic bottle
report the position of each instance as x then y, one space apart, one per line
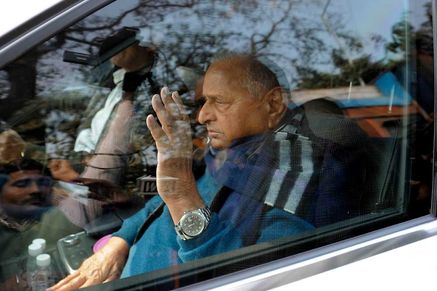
40 241
33 250
44 276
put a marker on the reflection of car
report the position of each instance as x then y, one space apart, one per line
387 107
375 106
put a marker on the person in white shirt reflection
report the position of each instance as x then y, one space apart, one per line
107 140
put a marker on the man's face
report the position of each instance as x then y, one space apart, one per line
133 58
230 112
26 188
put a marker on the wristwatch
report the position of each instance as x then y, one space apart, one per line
193 223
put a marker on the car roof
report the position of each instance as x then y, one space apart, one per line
17 12
46 19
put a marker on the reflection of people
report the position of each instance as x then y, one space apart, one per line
26 213
101 195
25 192
11 146
109 146
244 109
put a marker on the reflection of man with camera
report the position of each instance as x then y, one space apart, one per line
106 140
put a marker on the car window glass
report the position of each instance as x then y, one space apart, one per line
353 150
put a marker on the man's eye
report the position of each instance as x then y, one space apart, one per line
21 183
222 103
199 103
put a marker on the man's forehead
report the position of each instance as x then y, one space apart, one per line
24 174
229 69
220 79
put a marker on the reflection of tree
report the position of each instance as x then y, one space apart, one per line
418 58
349 72
19 73
191 32
424 36
194 32
404 41
22 74
414 46
402 37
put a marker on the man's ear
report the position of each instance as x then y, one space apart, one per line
277 106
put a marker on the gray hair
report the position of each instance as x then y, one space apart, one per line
257 78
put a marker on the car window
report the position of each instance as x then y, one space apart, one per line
298 123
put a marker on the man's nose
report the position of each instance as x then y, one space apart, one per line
206 114
34 187
37 194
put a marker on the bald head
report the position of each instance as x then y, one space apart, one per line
246 72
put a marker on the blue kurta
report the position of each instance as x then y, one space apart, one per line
246 169
228 230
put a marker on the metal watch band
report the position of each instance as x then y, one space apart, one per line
202 213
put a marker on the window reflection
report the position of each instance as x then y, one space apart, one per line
359 74
27 212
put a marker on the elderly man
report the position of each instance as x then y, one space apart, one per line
245 114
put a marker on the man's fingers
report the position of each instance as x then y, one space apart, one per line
91 282
178 100
163 116
112 277
65 280
181 107
165 91
173 132
70 282
73 284
157 132
169 101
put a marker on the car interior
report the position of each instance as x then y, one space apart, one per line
362 79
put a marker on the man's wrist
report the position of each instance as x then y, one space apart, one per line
128 96
178 207
193 223
116 245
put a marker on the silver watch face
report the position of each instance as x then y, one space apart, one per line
192 224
